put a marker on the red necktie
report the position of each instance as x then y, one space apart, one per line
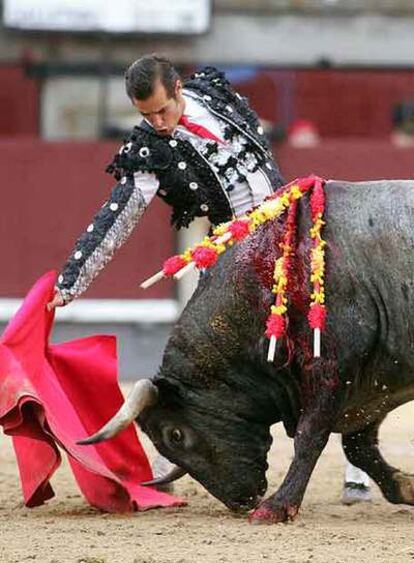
198 129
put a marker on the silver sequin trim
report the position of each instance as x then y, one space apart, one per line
114 238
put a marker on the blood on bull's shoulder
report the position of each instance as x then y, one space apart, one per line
211 406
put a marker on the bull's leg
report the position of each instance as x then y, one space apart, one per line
311 437
361 448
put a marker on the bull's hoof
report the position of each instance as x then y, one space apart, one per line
405 484
268 514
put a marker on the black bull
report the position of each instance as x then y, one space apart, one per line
217 395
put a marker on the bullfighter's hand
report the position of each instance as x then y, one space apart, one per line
57 301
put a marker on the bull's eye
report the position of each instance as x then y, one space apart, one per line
176 436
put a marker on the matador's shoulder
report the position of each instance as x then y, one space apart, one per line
142 151
208 79
213 86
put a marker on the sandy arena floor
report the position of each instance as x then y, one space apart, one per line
67 530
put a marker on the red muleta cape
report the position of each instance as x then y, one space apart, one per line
55 394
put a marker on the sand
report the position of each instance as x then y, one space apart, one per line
67 530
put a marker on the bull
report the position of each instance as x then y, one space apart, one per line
210 408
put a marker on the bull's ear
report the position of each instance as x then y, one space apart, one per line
170 390
144 394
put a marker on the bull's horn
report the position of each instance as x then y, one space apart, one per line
173 475
144 394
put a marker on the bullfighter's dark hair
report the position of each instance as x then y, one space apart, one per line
142 75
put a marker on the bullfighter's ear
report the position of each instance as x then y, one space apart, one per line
178 88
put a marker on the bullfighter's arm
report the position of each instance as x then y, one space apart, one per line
109 229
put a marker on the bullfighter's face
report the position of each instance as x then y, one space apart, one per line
226 454
161 110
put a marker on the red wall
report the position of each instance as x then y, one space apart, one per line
348 159
352 103
50 192
340 102
19 100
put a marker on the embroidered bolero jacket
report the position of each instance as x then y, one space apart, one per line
187 181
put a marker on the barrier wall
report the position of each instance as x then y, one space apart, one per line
352 159
50 191
340 102
20 102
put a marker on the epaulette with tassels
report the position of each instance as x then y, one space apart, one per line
205 254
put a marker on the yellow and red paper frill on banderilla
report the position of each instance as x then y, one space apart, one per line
205 254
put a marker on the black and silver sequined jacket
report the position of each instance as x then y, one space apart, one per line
187 181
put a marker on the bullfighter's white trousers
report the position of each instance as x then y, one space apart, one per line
355 475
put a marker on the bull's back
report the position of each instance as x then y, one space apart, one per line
370 233
370 281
